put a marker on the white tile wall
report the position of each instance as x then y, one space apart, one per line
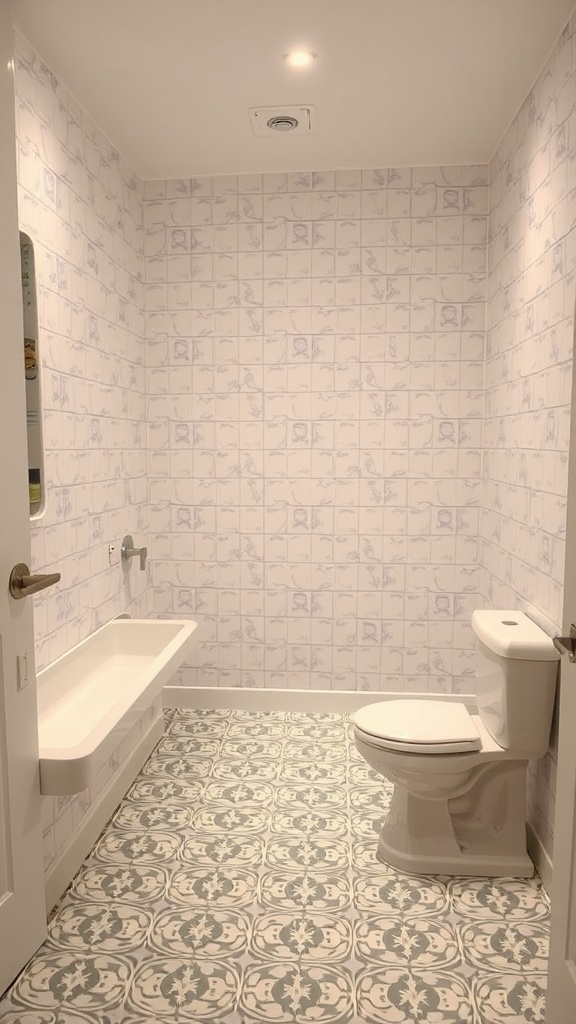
315 401
81 204
531 296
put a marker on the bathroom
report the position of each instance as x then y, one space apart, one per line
331 510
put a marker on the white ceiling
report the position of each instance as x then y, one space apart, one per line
396 83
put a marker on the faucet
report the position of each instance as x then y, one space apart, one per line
128 551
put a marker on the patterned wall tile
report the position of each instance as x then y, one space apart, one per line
315 407
82 206
530 337
80 203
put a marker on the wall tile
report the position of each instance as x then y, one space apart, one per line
314 494
530 316
81 204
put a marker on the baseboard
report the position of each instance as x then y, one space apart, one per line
64 867
342 702
540 856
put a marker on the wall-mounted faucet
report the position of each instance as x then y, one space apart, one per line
128 551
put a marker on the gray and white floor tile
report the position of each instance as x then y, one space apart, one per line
238 882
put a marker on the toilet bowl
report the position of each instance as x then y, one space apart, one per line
459 772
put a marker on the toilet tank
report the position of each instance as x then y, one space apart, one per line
516 672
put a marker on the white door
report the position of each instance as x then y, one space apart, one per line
561 997
22 909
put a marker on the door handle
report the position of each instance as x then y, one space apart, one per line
567 643
23 584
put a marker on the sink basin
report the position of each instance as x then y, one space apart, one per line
90 698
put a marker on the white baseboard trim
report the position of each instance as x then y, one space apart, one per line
69 860
540 856
341 702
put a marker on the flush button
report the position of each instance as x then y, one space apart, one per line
509 622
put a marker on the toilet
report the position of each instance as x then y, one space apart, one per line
459 771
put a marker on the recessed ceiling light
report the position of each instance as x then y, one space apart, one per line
300 58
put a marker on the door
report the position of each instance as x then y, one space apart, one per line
561 997
22 909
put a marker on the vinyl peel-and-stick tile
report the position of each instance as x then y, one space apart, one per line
238 882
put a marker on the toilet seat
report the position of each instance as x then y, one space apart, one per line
419 726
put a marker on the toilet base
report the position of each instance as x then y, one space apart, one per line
462 864
480 830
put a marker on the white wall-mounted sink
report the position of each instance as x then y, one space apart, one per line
91 697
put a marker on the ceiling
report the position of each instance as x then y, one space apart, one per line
396 82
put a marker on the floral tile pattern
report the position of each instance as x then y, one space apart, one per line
238 882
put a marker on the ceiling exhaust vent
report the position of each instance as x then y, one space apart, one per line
281 120
282 123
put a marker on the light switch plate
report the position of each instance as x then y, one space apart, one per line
113 554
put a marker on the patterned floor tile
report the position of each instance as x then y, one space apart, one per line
305 795
315 771
324 732
238 882
325 753
147 816
504 947
271 730
293 852
313 890
223 849
190 745
111 927
242 768
392 893
510 900
227 819
237 747
506 1000
238 794
309 823
183 989
297 994
213 886
312 937
131 884
206 934
184 767
137 847
414 997
411 942
90 982
160 791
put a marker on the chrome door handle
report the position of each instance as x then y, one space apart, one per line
567 643
23 584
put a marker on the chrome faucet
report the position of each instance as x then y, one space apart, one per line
128 551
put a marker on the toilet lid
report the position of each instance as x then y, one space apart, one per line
420 726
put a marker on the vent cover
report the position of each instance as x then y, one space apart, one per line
282 123
281 120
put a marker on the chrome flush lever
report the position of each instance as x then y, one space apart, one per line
567 643
22 583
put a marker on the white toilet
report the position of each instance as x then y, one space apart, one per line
459 773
